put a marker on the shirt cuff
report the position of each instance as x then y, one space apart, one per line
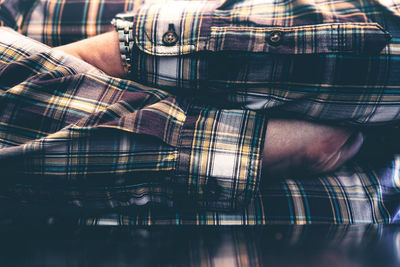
220 158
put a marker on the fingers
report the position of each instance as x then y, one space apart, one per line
344 154
293 147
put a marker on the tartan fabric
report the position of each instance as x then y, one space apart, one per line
10 13
352 195
77 136
107 143
58 22
336 61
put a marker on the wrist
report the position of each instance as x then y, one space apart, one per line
123 24
103 52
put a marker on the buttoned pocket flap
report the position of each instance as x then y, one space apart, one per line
357 38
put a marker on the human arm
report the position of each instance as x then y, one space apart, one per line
101 51
291 146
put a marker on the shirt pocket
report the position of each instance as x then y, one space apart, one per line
356 38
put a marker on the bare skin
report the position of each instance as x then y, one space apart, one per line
294 147
101 51
291 146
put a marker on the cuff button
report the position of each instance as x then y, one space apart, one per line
275 38
211 189
170 38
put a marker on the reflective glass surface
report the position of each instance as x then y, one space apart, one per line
276 245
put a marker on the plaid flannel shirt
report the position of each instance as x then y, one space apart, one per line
182 140
335 60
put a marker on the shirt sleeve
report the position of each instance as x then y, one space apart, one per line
71 135
199 44
249 55
220 157
332 60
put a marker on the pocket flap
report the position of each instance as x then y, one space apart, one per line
357 38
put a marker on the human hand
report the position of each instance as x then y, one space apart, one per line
294 147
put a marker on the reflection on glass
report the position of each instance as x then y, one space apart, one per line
275 245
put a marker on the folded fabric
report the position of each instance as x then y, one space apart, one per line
73 137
